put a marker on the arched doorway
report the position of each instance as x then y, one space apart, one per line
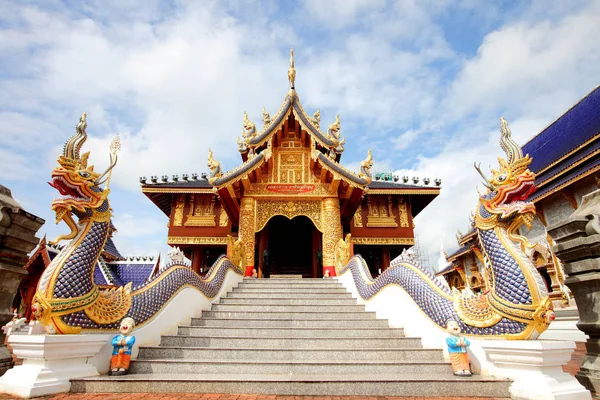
291 247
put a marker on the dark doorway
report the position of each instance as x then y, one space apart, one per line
290 247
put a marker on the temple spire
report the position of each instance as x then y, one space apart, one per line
292 70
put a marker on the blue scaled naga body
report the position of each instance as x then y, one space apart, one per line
517 305
67 300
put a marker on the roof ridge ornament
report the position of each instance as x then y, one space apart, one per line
316 119
365 167
292 70
215 168
266 117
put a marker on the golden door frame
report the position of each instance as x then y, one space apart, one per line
324 213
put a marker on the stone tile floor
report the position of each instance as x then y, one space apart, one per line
216 396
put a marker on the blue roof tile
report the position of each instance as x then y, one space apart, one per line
132 272
99 277
576 126
111 249
588 165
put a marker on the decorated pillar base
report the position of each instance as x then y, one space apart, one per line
51 361
536 368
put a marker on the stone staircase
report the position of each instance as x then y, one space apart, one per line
292 337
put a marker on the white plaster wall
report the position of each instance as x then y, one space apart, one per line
188 303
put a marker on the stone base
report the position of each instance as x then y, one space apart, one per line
536 368
6 361
50 362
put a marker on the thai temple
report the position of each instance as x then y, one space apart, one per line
290 200
291 275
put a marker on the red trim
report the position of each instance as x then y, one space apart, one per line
331 270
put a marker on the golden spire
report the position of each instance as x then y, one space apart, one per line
292 70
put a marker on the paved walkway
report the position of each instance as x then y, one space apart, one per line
215 396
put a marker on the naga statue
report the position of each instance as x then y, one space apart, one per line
67 299
517 305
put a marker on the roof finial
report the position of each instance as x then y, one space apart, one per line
292 70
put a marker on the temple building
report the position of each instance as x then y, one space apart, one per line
290 200
567 167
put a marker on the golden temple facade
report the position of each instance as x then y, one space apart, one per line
290 200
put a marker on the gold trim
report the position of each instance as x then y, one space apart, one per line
177 190
575 150
570 167
196 240
383 240
560 187
403 191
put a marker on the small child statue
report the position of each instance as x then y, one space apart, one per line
122 346
457 348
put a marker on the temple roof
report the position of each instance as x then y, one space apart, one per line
111 249
242 170
462 250
574 128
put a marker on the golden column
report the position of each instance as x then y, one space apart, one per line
332 232
247 231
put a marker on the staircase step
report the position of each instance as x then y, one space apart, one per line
275 281
227 323
312 384
259 354
329 315
289 285
286 295
279 332
286 308
196 367
291 343
288 291
291 302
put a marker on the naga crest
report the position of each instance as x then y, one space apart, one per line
365 167
79 184
509 187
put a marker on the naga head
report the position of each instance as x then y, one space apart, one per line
78 184
509 187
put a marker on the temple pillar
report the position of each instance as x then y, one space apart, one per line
197 258
262 246
316 247
247 231
332 232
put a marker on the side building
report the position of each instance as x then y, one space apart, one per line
567 166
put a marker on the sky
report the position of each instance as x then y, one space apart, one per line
423 83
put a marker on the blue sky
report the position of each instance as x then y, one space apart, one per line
423 83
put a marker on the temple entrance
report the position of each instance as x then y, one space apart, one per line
290 247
